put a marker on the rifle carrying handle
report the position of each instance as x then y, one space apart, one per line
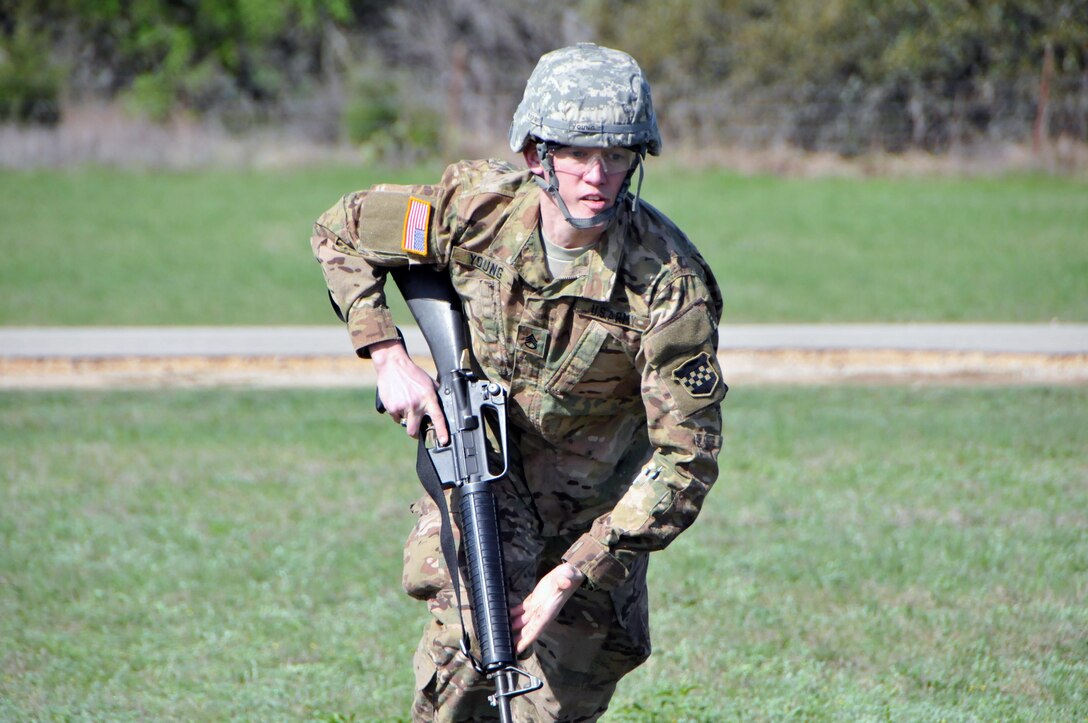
437 309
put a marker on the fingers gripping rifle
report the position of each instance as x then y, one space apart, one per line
469 404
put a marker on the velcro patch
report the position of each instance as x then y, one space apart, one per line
677 336
698 375
417 221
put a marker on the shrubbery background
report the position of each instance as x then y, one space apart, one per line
418 76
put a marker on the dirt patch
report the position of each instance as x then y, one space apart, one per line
740 368
902 367
194 371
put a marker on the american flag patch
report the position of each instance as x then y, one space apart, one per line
416 221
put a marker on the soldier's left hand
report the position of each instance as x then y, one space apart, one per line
543 604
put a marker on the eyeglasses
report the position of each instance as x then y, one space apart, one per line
578 161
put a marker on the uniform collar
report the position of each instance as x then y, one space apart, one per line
594 272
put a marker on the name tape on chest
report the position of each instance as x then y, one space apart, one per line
489 266
617 316
417 221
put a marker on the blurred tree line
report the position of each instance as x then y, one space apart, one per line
842 75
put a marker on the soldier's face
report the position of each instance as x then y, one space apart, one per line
589 178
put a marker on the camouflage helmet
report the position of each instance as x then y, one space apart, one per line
587 95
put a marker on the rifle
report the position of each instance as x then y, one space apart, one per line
471 406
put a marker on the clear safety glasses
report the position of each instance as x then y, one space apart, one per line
578 161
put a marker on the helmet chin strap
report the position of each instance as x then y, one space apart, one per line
551 187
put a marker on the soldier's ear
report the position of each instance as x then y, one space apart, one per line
532 159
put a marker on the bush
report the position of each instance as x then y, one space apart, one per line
371 108
384 120
30 84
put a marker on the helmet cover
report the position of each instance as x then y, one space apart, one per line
587 95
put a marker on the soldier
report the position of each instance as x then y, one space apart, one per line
600 318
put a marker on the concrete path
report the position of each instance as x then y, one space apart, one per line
157 357
313 341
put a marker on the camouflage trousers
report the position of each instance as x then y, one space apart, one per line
597 638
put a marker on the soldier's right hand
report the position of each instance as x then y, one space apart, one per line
408 393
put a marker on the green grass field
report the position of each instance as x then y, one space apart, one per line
97 246
868 554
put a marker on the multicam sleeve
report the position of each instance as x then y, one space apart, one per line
366 233
682 390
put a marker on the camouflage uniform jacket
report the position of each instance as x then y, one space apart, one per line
614 383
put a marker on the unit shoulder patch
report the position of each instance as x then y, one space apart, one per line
698 376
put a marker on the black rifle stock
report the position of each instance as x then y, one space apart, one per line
470 406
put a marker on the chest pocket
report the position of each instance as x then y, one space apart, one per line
482 297
598 367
